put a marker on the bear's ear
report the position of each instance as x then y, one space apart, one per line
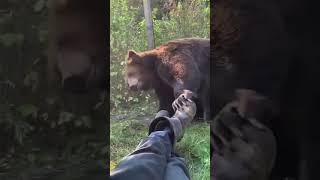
131 53
133 57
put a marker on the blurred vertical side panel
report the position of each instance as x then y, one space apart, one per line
78 41
54 80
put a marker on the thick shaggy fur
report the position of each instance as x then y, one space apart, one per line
171 68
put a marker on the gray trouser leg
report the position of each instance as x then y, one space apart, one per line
149 161
176 169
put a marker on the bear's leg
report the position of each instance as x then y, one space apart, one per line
165 96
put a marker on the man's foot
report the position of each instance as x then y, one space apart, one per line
180 101
177 123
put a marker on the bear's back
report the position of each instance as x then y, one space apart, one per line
187 43
197 48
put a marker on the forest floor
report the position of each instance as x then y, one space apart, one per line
129 127
78 157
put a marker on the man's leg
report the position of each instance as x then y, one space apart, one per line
177 169
148 161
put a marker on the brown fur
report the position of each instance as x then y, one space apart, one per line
171 68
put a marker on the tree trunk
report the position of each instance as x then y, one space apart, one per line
149 23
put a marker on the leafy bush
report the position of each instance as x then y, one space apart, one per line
26 107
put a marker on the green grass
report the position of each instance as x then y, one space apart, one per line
194 147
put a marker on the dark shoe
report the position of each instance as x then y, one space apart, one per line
178 122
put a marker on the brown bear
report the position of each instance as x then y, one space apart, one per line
171 68
77 54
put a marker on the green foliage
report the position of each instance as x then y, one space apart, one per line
39 5
38 129
28 110
12 122
23 81
11 39
31 80
128 31
19 75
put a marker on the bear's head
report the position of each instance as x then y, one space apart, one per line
140 72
